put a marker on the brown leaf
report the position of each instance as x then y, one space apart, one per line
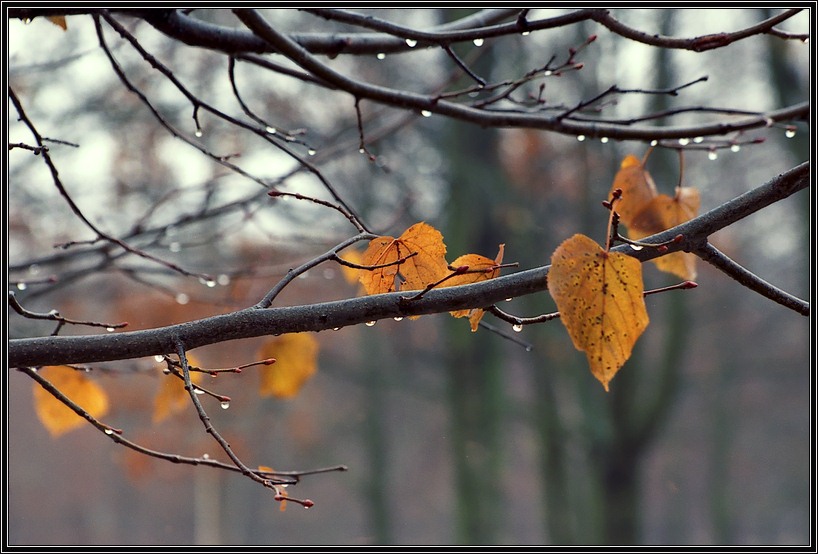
637 186
427 263
296 356
599 296
56 416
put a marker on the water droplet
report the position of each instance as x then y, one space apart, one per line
362 150
271 130
654 142
206 456
87 370
509 299
548 73
525 33
336 328
166 371
311 152
517 328
580 138
698 140
529 348
603 140
426 113
225 404
789 133
398 319
174 247
684 141
26 21
53 312
109 431
411 43
198 391
223 279
34 269
182 298
21 286
159 359
370 323
478 42
735 148
635 247
381 56
110 329
712 155
198 133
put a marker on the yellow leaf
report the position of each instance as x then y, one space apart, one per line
172 396
427 263
600 298
645 212
296 356
59 21
480 268
56 416
662 213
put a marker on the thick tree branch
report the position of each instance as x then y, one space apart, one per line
255 322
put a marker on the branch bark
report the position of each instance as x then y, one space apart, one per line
255 322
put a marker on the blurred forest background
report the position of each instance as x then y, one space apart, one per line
449 436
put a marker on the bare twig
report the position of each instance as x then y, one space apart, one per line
716 258
54 315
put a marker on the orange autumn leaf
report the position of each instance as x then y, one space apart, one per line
645 212
424 254
56 416
296 356
600 298
172 396
480 268
662 213
637 186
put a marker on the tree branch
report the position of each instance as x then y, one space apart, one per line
255 322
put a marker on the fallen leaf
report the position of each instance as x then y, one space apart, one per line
296 356
56 416
599 296
427 263
172 396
